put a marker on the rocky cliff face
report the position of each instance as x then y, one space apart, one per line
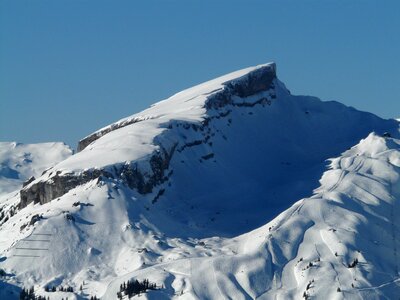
45 191
248 85
129 173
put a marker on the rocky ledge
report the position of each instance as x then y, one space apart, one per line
43 191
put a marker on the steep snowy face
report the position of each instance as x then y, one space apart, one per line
19 162
340 243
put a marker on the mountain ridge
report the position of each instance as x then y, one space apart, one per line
203 197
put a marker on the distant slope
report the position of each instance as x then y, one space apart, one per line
18 162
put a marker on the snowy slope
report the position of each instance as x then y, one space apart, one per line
180 194
352 215
18 162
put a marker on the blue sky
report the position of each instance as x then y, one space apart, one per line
69 67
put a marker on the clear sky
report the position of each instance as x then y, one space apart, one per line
69 67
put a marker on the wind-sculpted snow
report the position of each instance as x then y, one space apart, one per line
200 196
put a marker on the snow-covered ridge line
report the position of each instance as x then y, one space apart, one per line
98 134
257 80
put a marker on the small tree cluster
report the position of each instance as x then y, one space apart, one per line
69 289
309 284
94 298
354 263
135 287
29 294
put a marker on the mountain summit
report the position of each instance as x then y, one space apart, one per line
232 189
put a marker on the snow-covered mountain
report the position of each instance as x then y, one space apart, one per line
227 190
19 162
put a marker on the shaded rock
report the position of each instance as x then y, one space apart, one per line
59 184
31 179
252 83
34 219
130 174
69 217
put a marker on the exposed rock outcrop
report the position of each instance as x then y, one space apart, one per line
31 179
252 83
44 191
59 184
135 178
